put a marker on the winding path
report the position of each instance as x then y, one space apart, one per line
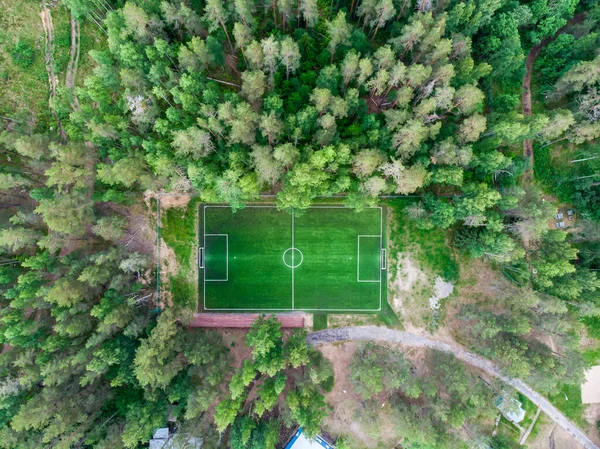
372 333
46 17
73 62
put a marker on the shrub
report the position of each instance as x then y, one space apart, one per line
23 53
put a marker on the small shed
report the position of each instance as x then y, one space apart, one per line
300 441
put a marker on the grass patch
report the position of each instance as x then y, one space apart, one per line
182 289
592 323
61 19
178 230
508 430
389 317
572 408
552 174
319 321
530 410
592 356
429 246
24 88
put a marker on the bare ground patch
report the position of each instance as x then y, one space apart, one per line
552 436
343 320
345 404
592 416
347 408
140 235
411 288
171 268
235 340
169 201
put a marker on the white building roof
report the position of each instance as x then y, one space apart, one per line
161 434
512 409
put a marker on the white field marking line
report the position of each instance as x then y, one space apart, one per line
284 309
358 260
293 304
226 257
250 309
204 271
275 207
381 277
383 258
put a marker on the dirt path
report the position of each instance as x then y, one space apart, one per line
371 333
526 88
73 61
49 59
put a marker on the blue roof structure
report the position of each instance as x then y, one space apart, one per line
299 441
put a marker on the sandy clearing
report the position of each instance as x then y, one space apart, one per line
168 201
442 289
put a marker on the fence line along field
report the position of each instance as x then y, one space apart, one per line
327 258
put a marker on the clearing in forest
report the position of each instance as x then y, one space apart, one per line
327 258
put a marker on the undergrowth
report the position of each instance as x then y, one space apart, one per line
178 230
428 246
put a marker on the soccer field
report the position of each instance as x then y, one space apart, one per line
329 258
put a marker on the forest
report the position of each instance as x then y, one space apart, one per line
485 112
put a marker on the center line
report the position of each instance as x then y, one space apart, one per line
293 264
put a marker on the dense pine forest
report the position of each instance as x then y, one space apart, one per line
485 112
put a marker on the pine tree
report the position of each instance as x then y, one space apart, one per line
290 56
339 32
217 15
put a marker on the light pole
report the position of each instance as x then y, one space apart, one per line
566 397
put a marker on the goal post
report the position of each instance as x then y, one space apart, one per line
201 257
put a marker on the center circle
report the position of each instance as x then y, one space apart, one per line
293 257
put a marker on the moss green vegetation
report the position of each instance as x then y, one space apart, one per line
571 407
530 411
592 356
250 263
24 90
178 230
593 325
23 78
388 317
319 321
430 246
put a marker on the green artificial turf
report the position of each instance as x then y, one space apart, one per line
259 258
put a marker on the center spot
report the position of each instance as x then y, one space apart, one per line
293 257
